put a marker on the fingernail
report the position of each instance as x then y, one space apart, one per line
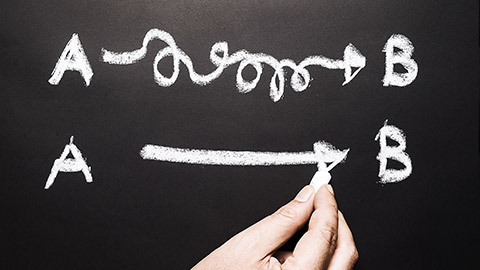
304 194
330 188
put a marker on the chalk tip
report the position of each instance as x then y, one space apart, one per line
320 178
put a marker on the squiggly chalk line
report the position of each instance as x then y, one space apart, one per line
219 56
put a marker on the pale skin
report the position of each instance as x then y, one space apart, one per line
328 243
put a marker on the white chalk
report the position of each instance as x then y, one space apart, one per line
72 58
64 164
403 57
320 178
221 59
224 157
323 153
396 153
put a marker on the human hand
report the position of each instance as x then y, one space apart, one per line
328 243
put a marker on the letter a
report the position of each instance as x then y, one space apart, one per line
73 58
64 164
402 57
396 153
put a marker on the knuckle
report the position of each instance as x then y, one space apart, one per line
354 254
329 234
325 227
350 253
332 206
287 214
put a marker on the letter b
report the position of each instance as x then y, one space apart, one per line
403 57
396 153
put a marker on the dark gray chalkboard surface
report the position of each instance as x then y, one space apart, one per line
147 214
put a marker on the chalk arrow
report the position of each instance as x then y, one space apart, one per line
352 58
322 153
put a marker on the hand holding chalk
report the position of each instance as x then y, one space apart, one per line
328 244
322 176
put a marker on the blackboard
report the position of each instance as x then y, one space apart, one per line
145 214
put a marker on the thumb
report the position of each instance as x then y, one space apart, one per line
267 235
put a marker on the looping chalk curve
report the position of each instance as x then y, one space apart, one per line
220 57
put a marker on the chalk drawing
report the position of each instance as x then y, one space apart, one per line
72 58
322 154
64 164
403 57
219 56
396 153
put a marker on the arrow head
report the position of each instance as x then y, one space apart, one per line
352 58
